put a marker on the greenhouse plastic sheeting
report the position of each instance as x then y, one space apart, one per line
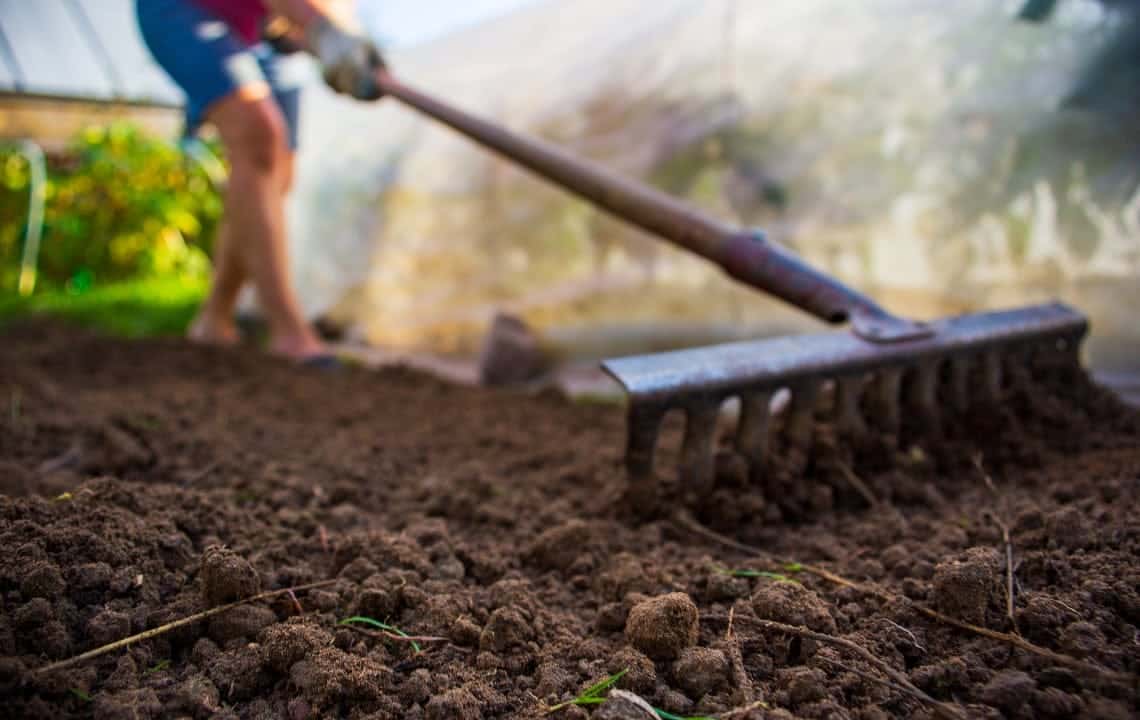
919 149
79 48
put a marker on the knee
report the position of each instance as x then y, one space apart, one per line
259 141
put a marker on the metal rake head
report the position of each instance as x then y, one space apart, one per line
961 362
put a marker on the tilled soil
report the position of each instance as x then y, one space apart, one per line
144 482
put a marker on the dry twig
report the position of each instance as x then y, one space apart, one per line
745 693
296 603
1004 528
163 629
911 635
201 475
755 705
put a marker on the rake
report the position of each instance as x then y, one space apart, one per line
870 371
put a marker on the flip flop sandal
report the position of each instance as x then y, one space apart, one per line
325 361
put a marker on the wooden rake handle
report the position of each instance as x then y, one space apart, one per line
744 254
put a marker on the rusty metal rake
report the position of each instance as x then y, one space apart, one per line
862 368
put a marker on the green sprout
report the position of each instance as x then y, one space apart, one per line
757 574
158 667
593 695
670 716
360 620
596 695
81 694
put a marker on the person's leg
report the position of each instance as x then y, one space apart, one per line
254 134
226 83
215 321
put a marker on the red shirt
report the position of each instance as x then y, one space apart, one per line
244 16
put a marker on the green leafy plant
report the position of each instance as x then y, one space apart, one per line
120 204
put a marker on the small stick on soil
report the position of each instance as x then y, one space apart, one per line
1065 605
163 629
910 634
636 701
745 692
296 603
1004 528
1008 570
857 482
757 705
940 708
685 521
200 475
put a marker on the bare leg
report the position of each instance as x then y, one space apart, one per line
215 321
253 242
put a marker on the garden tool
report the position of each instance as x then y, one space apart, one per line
873 369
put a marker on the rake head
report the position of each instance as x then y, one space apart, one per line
964 362
882 364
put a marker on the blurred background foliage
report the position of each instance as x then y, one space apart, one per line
121 205
129 220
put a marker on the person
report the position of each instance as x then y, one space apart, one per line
214 50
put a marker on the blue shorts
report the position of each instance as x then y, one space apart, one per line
209 61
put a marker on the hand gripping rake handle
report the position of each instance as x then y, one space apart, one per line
745 255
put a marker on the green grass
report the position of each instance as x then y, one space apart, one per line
141 308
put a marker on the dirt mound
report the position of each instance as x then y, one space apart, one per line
146 482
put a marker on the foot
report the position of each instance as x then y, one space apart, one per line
301 348
209 330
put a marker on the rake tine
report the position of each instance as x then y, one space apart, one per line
697 461
805 397
848 419
925 393
991 375
752 433
885 396
967 354
960 382
1017 362
644 424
